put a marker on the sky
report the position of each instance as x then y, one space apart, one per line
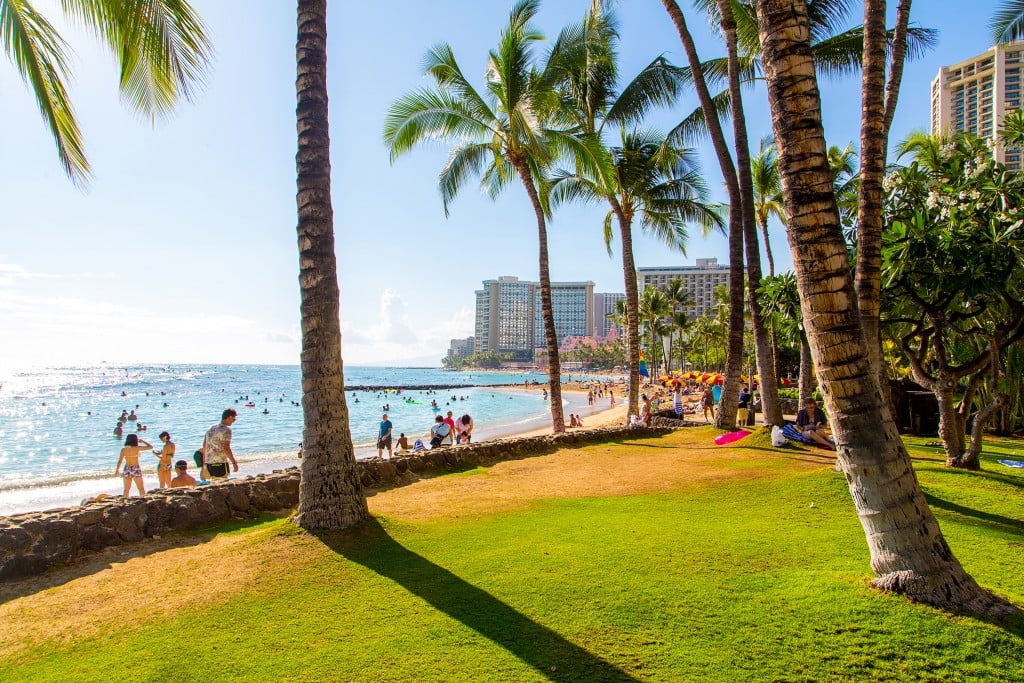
183 247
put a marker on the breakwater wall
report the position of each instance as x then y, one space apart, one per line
32 542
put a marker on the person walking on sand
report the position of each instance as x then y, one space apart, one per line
743 407
182 478
707 402
132 470
677 402
217 446
166 455
384 436
612 395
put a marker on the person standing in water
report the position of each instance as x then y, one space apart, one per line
217 446
166 455
133 445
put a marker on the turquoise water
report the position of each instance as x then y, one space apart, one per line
56 424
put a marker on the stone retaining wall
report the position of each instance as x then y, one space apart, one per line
32 542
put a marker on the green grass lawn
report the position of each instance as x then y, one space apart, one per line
735 581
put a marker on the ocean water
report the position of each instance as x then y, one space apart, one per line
56 424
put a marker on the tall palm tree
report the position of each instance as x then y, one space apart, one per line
641 177
726 416
764 171
908 552
678 298
161 47
500 137
330 494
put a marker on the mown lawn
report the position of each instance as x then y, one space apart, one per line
760 578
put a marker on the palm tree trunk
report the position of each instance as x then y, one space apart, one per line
806 380
769 386
330 494
872 169
726 416
768 248
632 308
908 552
547 311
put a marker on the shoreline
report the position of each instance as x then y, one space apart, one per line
73 492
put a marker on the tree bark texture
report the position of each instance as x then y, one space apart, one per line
872 169
767 247
546 307
806 380
632 308
908 552
726 416
769 386
330 495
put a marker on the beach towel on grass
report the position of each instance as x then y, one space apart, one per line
793 434
1012 463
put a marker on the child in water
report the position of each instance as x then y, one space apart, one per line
133 445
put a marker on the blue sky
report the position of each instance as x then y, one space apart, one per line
183 248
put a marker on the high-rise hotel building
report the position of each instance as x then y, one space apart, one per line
699 280
508 315
976 94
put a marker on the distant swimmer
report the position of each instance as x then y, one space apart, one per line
132 417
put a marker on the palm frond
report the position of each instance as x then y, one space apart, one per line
1008 22
39 54
659 84
430 114
694 127
607 231
440 63
464 162
161 46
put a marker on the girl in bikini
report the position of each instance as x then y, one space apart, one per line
166 455
133 445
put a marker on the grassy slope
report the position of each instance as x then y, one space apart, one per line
736 580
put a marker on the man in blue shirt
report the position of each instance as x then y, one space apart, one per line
384 437
743 407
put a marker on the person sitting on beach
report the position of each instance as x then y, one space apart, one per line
579 420
440 433
132 471
811 423
572 421
645 410
166 455
464 428
403 442
181 476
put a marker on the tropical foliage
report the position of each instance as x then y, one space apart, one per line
953 266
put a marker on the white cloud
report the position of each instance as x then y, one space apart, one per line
397 337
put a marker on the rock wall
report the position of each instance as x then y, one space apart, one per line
32 542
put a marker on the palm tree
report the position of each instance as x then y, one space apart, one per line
330 494
678 298
764 171
499 137
643 176
781 296
162 52
726 417
654 307
908 552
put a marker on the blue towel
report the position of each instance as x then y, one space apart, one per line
793 434
1012 463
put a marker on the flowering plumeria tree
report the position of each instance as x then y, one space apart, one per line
953 266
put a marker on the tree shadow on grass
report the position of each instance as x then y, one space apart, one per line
1014 526
546 651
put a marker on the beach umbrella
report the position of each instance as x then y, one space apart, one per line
718 379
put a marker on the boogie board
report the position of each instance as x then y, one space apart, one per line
723 439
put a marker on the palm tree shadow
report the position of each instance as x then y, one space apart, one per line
1014 526
546 651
